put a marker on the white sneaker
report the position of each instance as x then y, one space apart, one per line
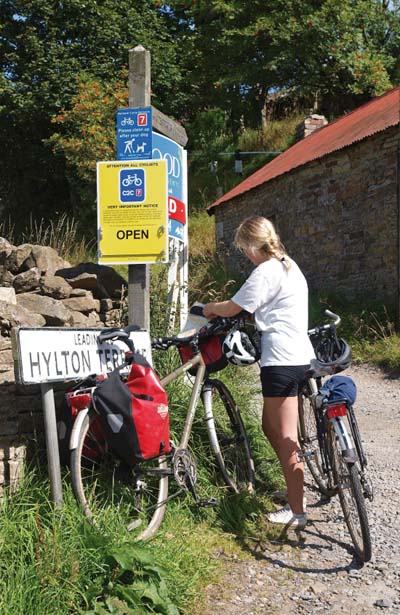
286 517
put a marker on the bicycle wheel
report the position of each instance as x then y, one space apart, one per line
109 491
351 498
228 437
309 444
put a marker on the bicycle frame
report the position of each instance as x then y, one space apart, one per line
196 361
149 480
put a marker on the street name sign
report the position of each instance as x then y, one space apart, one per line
52 354
132 211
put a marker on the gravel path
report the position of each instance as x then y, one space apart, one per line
319 573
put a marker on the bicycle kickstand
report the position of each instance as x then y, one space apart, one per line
202 502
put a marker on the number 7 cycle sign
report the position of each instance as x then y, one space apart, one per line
134 133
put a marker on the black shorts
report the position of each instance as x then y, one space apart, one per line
282 380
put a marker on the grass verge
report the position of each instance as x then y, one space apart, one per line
55 562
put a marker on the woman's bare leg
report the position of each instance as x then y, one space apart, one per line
280 426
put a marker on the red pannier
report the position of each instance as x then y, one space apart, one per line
134 412
211 351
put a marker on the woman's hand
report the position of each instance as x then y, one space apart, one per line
209 310
221 308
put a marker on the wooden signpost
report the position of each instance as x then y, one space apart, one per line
139 96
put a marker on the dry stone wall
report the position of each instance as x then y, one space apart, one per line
37 289
337 216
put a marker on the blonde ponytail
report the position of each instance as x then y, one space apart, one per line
258 234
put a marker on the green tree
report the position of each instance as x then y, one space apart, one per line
44 46
243 57
336 54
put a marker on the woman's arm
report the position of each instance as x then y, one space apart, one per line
221 308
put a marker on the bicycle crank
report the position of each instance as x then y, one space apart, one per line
208 503
185 470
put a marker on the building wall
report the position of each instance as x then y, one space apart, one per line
337 217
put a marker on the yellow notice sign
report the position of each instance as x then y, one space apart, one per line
132 211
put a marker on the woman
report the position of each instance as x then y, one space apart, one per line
276 293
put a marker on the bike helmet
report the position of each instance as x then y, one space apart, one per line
239 349
331 358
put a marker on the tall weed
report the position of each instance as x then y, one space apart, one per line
55 560
60 234
7 229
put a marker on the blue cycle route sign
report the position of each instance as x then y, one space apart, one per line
132 185
134 133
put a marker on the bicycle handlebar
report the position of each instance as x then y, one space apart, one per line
122 335
217 325
330 326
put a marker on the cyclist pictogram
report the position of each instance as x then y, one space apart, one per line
132 179
132 185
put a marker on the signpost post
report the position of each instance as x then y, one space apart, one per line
139 97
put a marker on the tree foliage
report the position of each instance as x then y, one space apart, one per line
244 56
44 46
220 66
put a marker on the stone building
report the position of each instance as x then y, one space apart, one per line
334 197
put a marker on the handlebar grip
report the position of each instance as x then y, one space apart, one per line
197 310
114 334
335 317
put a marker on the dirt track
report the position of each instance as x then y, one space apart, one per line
319 572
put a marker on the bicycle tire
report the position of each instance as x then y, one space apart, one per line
228 438
109 491
351 499
310 447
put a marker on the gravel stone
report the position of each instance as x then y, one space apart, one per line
324 555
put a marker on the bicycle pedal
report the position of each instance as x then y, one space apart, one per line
303 455
208 503
368 491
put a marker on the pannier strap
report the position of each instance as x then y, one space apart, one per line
142 396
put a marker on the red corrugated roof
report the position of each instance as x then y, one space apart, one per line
375 116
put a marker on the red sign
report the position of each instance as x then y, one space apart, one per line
176 210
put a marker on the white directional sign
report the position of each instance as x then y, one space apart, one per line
50 354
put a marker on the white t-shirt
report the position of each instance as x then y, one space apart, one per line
278 298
